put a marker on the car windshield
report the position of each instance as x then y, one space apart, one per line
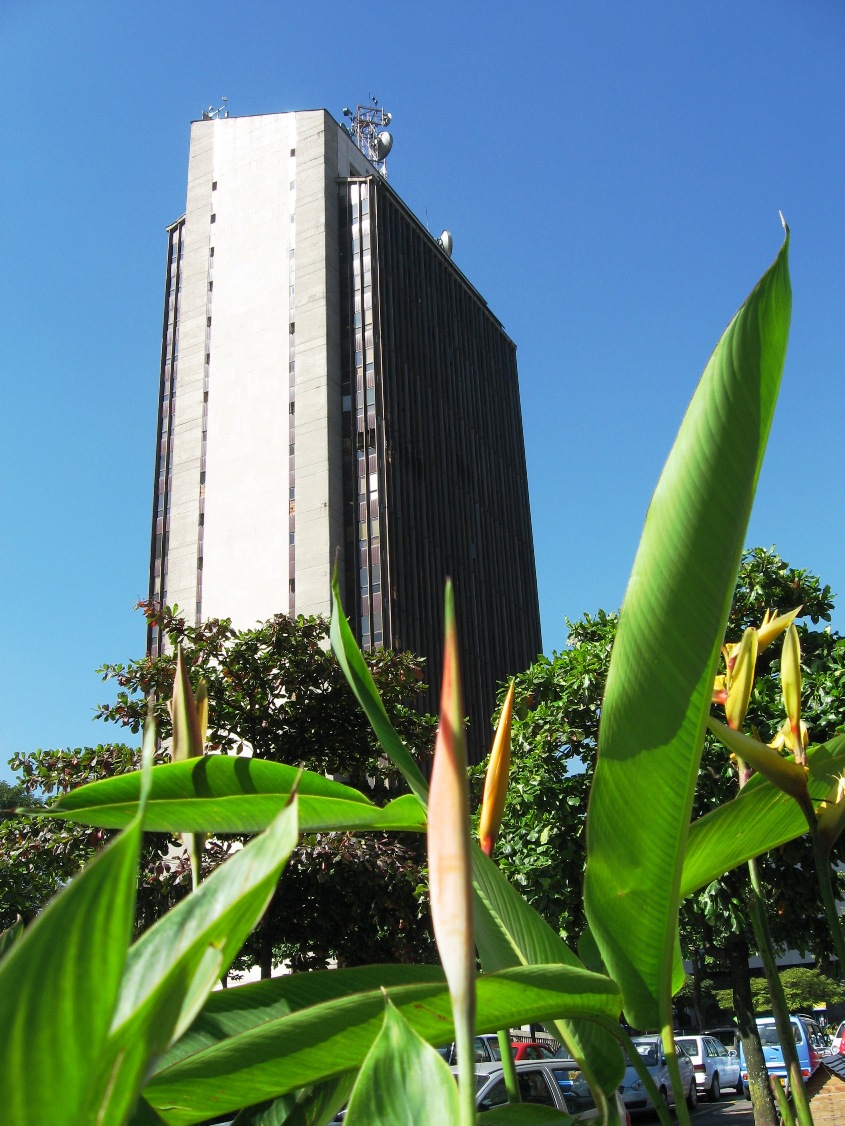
689 1045
769 1035
648 1052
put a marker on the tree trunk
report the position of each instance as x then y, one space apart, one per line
762 1101
697 974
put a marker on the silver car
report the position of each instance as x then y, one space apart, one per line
632 1088
716 1067
555 1083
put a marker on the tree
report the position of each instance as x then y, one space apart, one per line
555 732
275 692
39 855
805 989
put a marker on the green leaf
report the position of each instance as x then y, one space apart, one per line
232 794
309 1106
326 1039
173 967
58 987
664 658
524 1114
348 655
402 1080
508 932
759 819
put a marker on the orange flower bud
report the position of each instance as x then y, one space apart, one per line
496 781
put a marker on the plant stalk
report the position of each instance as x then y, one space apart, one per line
780 1009
786 1114
681 1109
508 1066
464 1048
821 856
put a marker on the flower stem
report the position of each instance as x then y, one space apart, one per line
757 911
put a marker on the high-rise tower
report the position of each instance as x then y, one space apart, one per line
332 387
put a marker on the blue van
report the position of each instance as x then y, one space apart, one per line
809 1042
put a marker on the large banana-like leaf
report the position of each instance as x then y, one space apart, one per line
285 1052
232 794
664 658
509 932
403 1080
759 819
348 655
170 971
58 987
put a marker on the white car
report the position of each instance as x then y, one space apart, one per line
557 1083
650 1050
716 1067
836 1042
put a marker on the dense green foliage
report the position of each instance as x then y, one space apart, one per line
276 691
805 991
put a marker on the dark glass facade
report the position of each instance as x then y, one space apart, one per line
434 464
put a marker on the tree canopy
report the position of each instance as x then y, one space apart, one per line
275 692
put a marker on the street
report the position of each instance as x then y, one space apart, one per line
730 1110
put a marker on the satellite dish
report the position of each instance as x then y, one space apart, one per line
384 143
445 241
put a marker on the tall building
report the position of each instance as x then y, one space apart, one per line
333 388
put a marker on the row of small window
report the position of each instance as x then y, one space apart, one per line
355 207
370 579
362 529
377 626
370 399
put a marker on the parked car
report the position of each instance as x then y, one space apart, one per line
632 1089
809 1041
486 1050
838 1038
556 1082
716 1067
727 1035
532 1050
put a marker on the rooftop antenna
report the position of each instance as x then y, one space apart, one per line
212 114
369 132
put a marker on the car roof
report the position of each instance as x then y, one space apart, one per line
488 1067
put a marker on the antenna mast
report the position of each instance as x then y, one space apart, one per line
369 132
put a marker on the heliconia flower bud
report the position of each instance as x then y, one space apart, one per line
790 683
189 714
720 691
449 863
188 739
788 776
772 627
496 781
741 679
831 815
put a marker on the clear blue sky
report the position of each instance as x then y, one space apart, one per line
611 172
